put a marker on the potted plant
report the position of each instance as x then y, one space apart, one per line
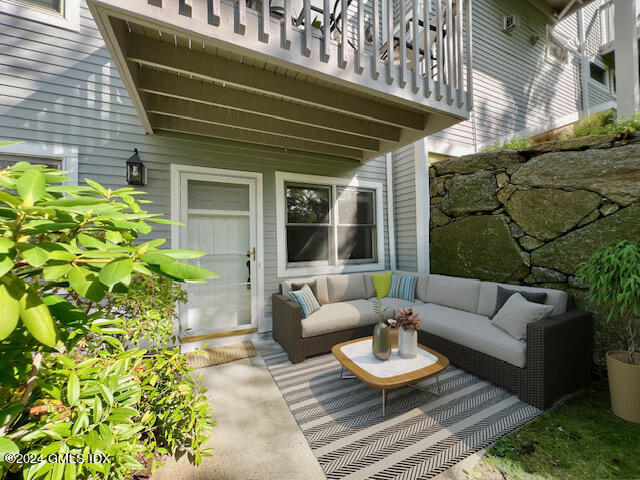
381 344
408 322
613 275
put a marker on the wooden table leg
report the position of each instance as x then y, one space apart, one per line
384 402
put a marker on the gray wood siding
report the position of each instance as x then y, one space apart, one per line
515 86
404 208
61 87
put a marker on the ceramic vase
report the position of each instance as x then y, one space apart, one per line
407 343
381 341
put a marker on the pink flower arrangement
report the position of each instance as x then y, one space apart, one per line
407 319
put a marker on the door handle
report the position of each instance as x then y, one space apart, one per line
254 253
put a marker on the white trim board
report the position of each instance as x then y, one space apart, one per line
176 172
283 270
421 160
68 155
391 227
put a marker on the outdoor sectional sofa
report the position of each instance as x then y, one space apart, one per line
554 360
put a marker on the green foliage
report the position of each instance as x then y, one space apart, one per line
605 123
175 405
67 383
514 143
613 275
148 309
379 309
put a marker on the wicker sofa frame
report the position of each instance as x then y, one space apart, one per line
558 352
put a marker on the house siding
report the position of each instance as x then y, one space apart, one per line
516 87
404 207
61 87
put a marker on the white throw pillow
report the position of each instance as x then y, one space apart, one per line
517 313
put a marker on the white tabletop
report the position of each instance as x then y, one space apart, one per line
361 354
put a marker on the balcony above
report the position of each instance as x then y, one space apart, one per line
255 73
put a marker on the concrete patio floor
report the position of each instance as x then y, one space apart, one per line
256 436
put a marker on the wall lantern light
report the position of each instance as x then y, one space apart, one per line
136 171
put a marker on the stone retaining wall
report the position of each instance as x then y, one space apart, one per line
530 217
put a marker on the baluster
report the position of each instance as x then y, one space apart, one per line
450 77
376 40
415 20
360 49
402 81
390 41
459 60
439 50
265 21
469 54
326 31
307 28
426 32
214 12
241 17
342 63
286 25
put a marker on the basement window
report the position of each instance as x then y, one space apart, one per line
328 225
598 74
58 13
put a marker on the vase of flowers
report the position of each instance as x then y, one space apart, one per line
408 324
381 344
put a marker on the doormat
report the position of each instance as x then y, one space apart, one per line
223 354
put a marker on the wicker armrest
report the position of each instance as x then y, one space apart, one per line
559 351
287 326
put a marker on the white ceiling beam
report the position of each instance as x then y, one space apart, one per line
212 67
180 125
248 121
169 84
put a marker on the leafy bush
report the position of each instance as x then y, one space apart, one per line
148 309
514 143
68 385
613 275
605 123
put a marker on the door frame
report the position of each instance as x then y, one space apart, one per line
177 200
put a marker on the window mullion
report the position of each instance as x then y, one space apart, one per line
334 222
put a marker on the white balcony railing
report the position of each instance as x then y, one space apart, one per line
369 43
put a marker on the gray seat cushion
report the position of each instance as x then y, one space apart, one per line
394 305
471 330
335 317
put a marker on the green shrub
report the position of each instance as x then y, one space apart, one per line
148 310
514 143
68 385
605 123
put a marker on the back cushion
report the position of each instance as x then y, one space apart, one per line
489 293
369 288
421 288
321 287
454 292
346 287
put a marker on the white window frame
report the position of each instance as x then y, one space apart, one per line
285 270
69 19
67 155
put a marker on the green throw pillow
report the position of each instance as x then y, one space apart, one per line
382 283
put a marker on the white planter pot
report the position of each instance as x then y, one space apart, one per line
407 343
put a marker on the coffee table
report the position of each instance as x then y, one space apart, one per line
357 357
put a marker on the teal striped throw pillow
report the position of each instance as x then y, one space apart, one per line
306 299
403 286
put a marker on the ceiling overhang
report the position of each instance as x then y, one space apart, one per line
189 84
559 9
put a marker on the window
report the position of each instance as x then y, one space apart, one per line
598 74
54 156
58 13
327 225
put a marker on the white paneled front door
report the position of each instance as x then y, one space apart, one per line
219 214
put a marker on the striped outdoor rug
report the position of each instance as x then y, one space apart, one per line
421 436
